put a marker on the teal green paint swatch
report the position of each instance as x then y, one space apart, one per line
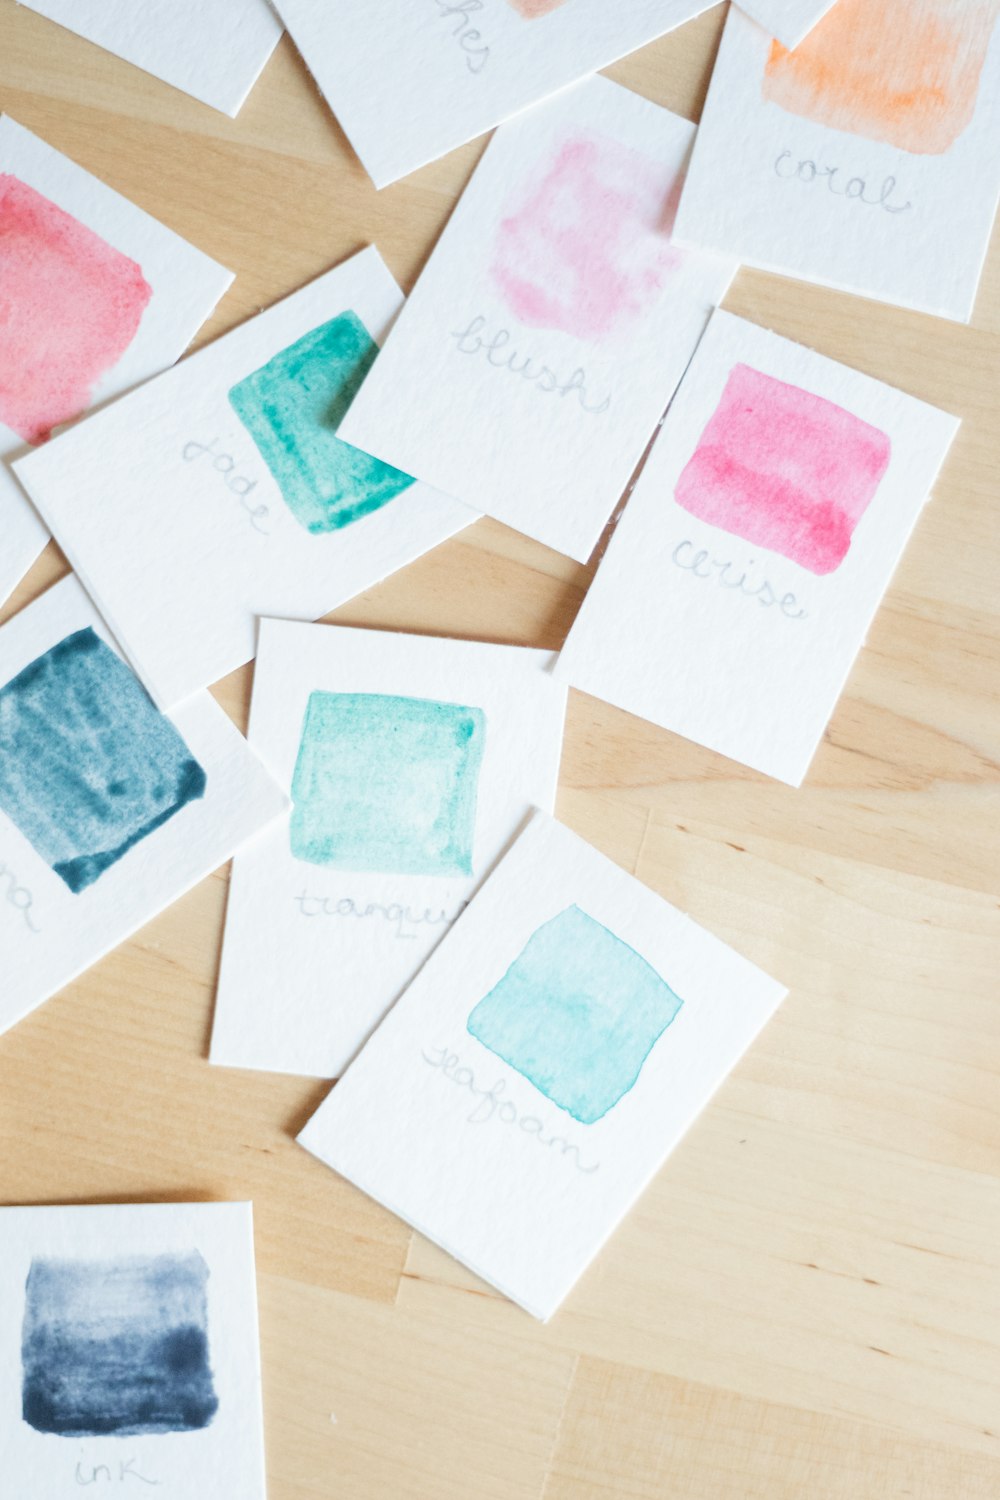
576 1014
292 407
387 784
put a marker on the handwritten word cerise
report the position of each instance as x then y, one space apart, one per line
497 352
224 465
492 1108
856 188
701 564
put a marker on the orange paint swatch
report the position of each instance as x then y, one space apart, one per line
532 9
906 72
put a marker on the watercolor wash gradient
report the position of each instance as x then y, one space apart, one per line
784 469
586 248
88 765
388 784
292 407
71 306
906 72
117 1348
577 1014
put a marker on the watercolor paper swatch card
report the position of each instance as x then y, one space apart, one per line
129 1351
789 21
409 80
544 1062
96 296
214 50
109 810
533 361
865 159
221 491
411 763
760 538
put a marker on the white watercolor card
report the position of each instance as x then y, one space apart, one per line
753 554
221 492
109 810
411 762
214 50
409 80
96 297
543 1064
533 361
129 1352
790 21
863 160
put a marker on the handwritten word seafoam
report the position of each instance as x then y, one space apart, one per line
473 340
493 1107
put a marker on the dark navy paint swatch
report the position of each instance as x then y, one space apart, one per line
117 1348
88 764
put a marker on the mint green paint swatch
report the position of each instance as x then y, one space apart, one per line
576 1014
292 407
388 784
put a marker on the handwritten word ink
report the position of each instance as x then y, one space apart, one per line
470 341
225 465
124 1470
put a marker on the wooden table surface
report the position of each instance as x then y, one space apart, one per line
806 1302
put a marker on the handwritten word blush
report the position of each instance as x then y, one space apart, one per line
906 72
784 469
588 249
72 305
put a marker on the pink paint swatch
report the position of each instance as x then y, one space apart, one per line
589 248
532 9
785 470
70 305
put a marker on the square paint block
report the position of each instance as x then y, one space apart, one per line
292 408
387 783
88 765
72 305
117 1347
784 469
576 1014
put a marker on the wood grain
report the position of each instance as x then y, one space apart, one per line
806 1301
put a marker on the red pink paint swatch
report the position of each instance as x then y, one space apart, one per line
785 470
70 305
588 248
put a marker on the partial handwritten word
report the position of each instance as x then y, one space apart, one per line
225 465
17 896
396 915
703 565
102 1473
476 57
492 1107
470 342
805 170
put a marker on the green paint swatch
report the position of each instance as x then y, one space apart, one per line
292 407
388 784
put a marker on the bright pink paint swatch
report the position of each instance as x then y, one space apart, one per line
785 470
70 305
588 248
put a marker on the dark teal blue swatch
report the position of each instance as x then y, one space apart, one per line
117 1347
88 764
577 1014
388 784
292 407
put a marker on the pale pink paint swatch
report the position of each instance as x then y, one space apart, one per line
588 248
532 9
785 470
70 305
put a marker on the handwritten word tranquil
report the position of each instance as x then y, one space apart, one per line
88 1474
856 188
501 357
225 465
17 896
703 565
397 916
492 1108
467 36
